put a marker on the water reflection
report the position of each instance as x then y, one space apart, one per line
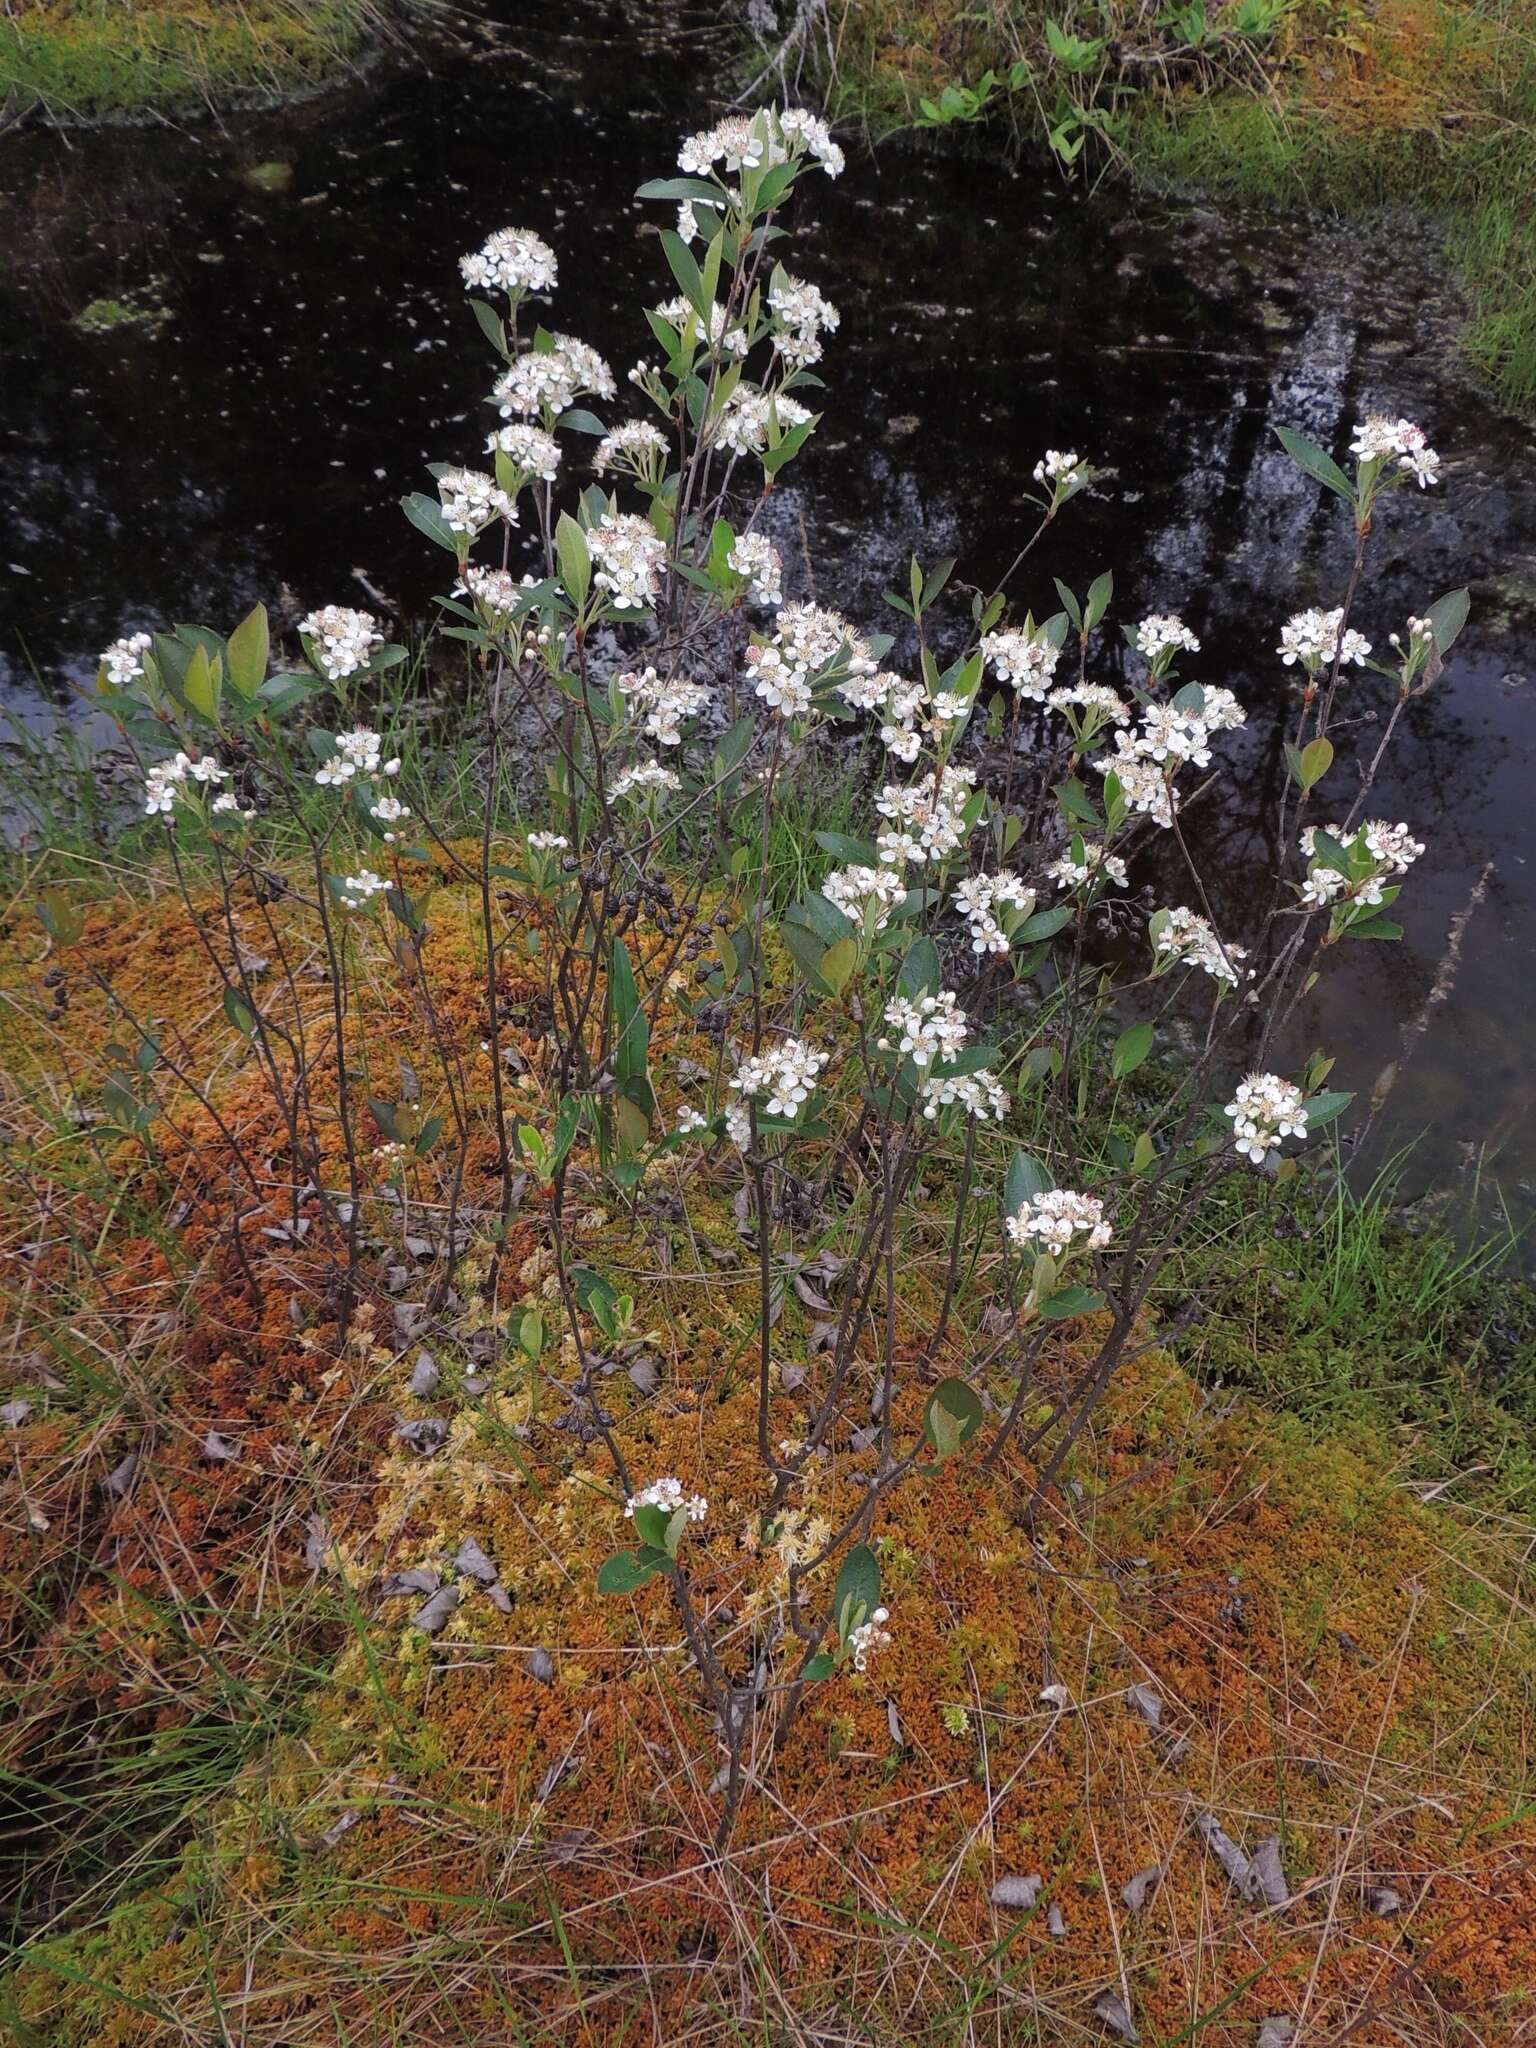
317 353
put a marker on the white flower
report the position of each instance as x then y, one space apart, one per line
808 641
471 500
1059 468
933 1027
1051 1221
866 896
1103 706
1023 658
1393 848
803 316
389 811
806 133
1073 873
1378 438
357 753
869 1637
627 552
547 842
124 659
1190 939
1316 637
749 141
1163 633
664 703
979 898
1146 786
782 1078
165 778
667 1494
928 816
227 804
745 419
722 332
690 1120
637 447
513 260
359 890
494 590
687 222
979 1094
531 452
1394 845
755 558
646 777
1265 1109
343 640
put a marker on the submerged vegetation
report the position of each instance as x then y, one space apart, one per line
594 1442
1428 105
95 59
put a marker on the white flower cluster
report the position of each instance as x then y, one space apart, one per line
1051 1221
866 896
1024 659
635 447
1146 787
721 332
1379 437
357 753
751 141
390 811
124 659
1265 1109
646 778
358 891
531 452
166 777
499 594
1072 874
1192 940
547 842
514 261
690 1120
870 1636
343 639
781 1078
1102 705
667 1494
627 552
471 500
1392 847
756 558
548 380
803 316
934 1027
979 898
806 640
1163 633
665 704
748 415
1060 468
1177 732
927 817
1316 637
980 1095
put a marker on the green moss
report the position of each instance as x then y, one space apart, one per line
96 59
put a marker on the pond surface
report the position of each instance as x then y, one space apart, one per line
298 348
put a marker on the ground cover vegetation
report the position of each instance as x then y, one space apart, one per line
592 1445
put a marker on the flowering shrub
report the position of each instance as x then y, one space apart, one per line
940 980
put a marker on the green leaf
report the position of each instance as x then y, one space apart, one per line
1447 615
1316 463
921 971
239 1011
575 562
1100 591
1144 1154
952 1416
862 852
249 648
821 1666
426 515
1316 760
1026 1179
492 326
1375 928
838 963
579 421
1131 1048
631 1032
686 271
1071 1301
1045 924
1322 1109
625 1572
651 1526
679 189
200 685
857 1593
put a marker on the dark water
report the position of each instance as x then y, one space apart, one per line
309 351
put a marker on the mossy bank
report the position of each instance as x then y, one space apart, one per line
1428 105
95 60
